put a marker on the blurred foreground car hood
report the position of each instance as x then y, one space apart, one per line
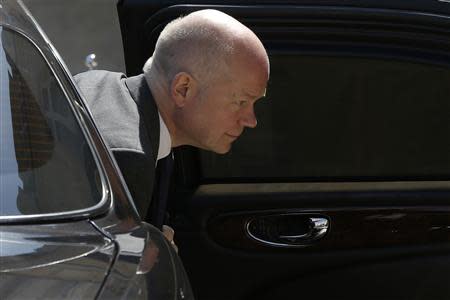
47 261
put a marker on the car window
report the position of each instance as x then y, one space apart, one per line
46 165
344 117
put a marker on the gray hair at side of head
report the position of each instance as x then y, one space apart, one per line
193 47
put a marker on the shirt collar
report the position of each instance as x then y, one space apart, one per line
165 142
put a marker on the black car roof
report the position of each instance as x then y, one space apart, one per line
426 6
139 18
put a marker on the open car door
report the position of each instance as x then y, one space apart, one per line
343 189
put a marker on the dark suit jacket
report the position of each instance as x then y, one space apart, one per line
126 114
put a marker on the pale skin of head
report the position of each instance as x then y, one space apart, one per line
212 115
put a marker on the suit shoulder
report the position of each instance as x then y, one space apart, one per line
112 107
94 76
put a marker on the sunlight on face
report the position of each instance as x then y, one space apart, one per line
226 108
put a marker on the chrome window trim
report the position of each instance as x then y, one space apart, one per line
102 206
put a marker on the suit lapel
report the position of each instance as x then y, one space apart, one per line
141 94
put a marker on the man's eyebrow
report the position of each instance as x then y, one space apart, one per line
250 95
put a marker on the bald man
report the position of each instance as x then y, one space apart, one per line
198 88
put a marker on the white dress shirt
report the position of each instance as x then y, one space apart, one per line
165 142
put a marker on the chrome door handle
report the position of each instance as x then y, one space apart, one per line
319 227
287 230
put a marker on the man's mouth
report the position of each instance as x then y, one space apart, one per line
232 136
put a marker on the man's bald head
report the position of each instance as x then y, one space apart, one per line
206 74
203 44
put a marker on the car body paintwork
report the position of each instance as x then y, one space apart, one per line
101 252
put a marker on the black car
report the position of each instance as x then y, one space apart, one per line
343 189
68 227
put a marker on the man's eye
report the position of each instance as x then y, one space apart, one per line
242 102
238 104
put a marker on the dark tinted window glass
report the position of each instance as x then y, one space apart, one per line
340 117
45 163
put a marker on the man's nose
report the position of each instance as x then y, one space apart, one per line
248 118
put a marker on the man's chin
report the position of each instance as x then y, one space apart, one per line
218 149
222 149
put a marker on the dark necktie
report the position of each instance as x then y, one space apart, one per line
165 166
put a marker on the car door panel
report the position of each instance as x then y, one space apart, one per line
384 246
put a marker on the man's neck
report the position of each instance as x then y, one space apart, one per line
165 107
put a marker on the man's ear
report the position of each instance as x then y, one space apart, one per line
183 88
